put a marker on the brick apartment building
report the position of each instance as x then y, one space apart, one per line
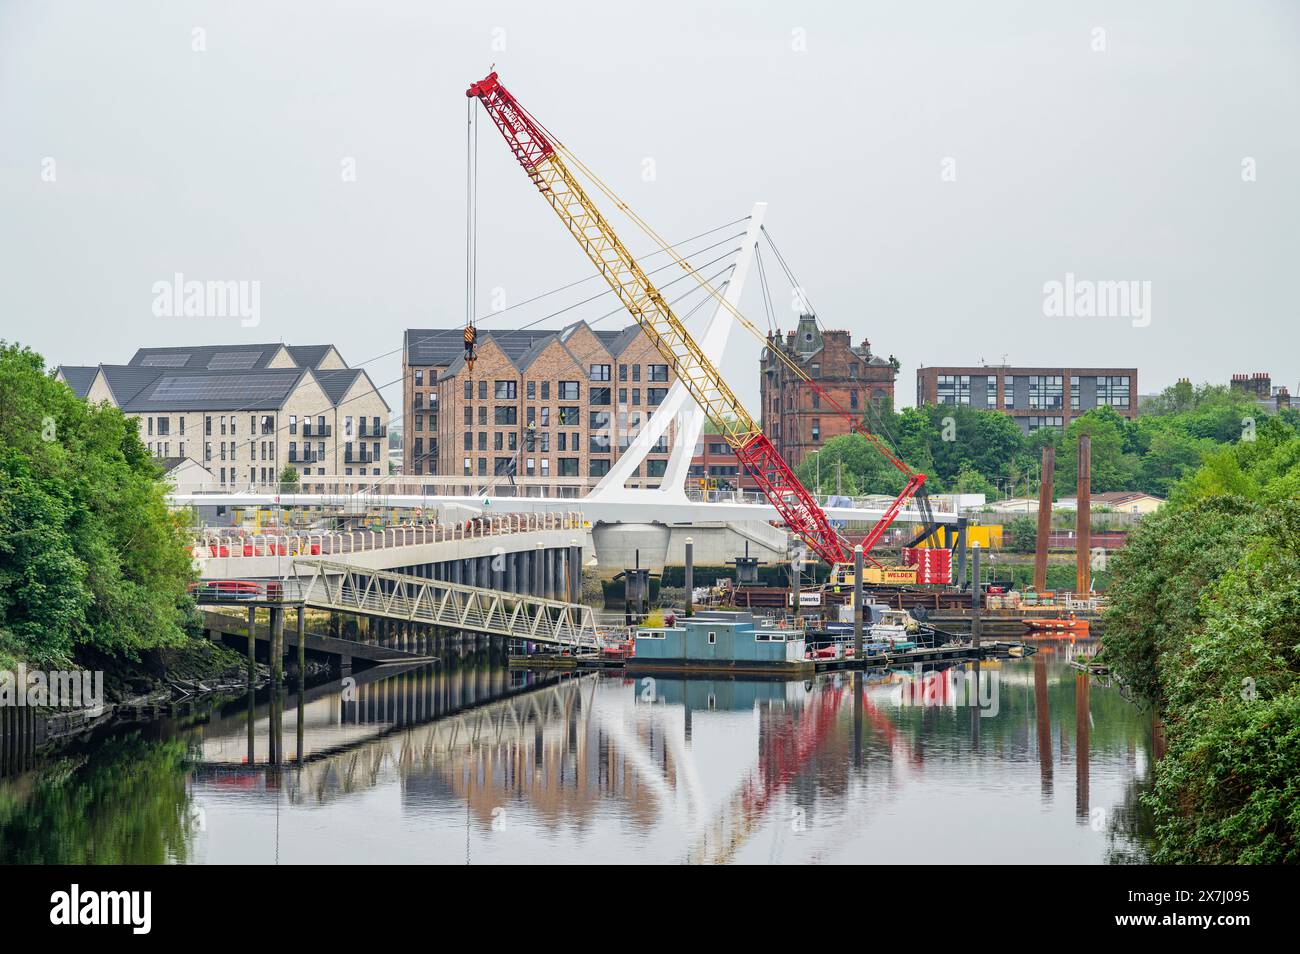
715 466
794 417
1034 397
550 410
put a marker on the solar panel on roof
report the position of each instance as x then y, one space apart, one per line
245 387
234 360
169 360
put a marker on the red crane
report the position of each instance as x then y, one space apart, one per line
540 156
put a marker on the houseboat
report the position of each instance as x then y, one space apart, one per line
718 641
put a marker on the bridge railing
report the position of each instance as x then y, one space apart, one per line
238 544
342 587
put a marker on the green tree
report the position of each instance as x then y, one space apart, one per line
1205 625
1170 456
1023 532
289 477
1113 468
864 469
90 555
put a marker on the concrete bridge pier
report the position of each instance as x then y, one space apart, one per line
523 571
252 643
557 574
575 572
277 645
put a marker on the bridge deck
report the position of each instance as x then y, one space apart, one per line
345 588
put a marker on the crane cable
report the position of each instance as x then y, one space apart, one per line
514 461
928 525
471 234
768 311
795 284
654 236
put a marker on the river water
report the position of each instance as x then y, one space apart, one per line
467 761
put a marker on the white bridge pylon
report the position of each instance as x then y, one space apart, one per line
679 406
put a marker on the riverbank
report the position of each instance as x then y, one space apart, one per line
1204 627
197 666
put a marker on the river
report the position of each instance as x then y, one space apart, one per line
467 761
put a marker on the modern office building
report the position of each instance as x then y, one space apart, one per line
1034 397
546 410
247 411
795 416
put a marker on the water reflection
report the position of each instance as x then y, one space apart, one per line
471 761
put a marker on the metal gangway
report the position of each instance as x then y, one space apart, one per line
341 587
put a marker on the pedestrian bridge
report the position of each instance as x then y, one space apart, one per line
236 554
344 588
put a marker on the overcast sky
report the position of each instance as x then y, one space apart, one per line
929 167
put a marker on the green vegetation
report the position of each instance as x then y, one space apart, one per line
90 556
289 477
1205 626
1022 532
130 804
1060 576
962 450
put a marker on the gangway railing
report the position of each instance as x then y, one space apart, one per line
341 587
236 543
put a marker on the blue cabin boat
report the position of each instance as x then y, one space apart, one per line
717 641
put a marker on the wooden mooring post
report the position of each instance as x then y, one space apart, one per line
277 645
858 608
1083 520
302 645
688 607
1046 474
252 644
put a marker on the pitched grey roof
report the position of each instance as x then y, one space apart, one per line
525 360
171 463
441 346
228 357
445 347
79 377
172 390
212 378
621 339
309 356
335 383
125 381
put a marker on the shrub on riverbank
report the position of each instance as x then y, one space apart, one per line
1205 625
90 556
